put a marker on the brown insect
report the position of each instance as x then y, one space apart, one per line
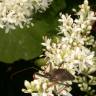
59 74
55 76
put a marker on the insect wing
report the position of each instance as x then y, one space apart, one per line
57 75
61 75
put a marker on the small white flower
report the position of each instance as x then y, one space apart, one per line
47 43
27 84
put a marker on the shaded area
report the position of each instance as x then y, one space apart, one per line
13 76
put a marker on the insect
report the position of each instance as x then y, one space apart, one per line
57 75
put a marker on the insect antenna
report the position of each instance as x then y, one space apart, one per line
22 70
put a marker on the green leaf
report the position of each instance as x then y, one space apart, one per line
22 43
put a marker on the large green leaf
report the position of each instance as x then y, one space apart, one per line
22 44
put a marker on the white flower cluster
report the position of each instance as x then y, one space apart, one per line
38 87
85 84
43 87
41 4
19 12
35 86
69 51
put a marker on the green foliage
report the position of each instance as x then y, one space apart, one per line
26 43
22 43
